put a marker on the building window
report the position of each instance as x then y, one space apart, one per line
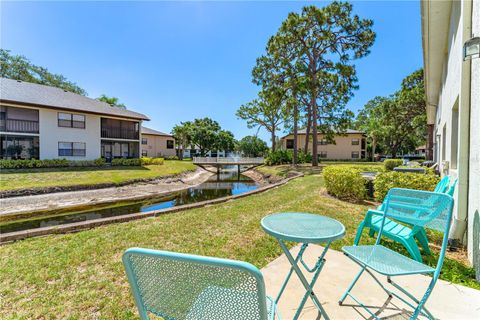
19 147
119 149
169 144
144 141
144 153
18 120
322 154
120 129
69 120
289 143
355 142
71 149
323 142
355 155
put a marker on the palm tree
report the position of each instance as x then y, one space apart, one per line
182 135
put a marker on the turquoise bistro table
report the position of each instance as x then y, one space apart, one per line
305 228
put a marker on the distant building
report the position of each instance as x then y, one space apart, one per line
43 122
350 146
452 86
421 151
157 144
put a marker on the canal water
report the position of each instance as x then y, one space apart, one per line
227 183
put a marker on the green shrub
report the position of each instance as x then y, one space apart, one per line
279 157
387 180
126 162
286 157
389 164
360 167
344 182
145 161
50 163
343 160
170 158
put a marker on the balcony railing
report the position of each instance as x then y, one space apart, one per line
25 126
119 133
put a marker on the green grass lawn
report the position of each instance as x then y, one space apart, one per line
80 275
60 177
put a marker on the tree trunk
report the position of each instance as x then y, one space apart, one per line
374 145
394 152
295 135
307 134
314 132
180 153
273 138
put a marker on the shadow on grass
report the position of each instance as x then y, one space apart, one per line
72 169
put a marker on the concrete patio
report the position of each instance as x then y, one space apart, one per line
448 301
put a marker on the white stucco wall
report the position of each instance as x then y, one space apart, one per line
461 86
450 91
473 232
51 134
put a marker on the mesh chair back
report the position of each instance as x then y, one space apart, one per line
451 190
180 286
442 186
420 208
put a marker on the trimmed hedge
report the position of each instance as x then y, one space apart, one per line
149 161
389 164
126 162
387 180
50 163
345 182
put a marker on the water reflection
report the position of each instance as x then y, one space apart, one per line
225 184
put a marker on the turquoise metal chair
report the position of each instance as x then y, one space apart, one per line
177 286
400 232
420 209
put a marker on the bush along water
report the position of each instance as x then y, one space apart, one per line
345 182
392 179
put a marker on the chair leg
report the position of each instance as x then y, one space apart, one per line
421 236
350 287
371 233
361 226
425 297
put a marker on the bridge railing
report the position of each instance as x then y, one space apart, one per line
230 160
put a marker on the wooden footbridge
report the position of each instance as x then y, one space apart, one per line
218 162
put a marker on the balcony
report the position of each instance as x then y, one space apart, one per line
23 126
119 133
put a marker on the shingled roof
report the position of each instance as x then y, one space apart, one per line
146 130
37 95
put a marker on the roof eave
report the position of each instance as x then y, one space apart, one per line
28 104
434 14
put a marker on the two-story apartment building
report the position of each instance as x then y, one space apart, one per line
351 145
157 144
452 85
44 122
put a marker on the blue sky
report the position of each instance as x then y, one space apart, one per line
176 61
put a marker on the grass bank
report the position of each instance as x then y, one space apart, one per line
78 176
307 169
80 276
